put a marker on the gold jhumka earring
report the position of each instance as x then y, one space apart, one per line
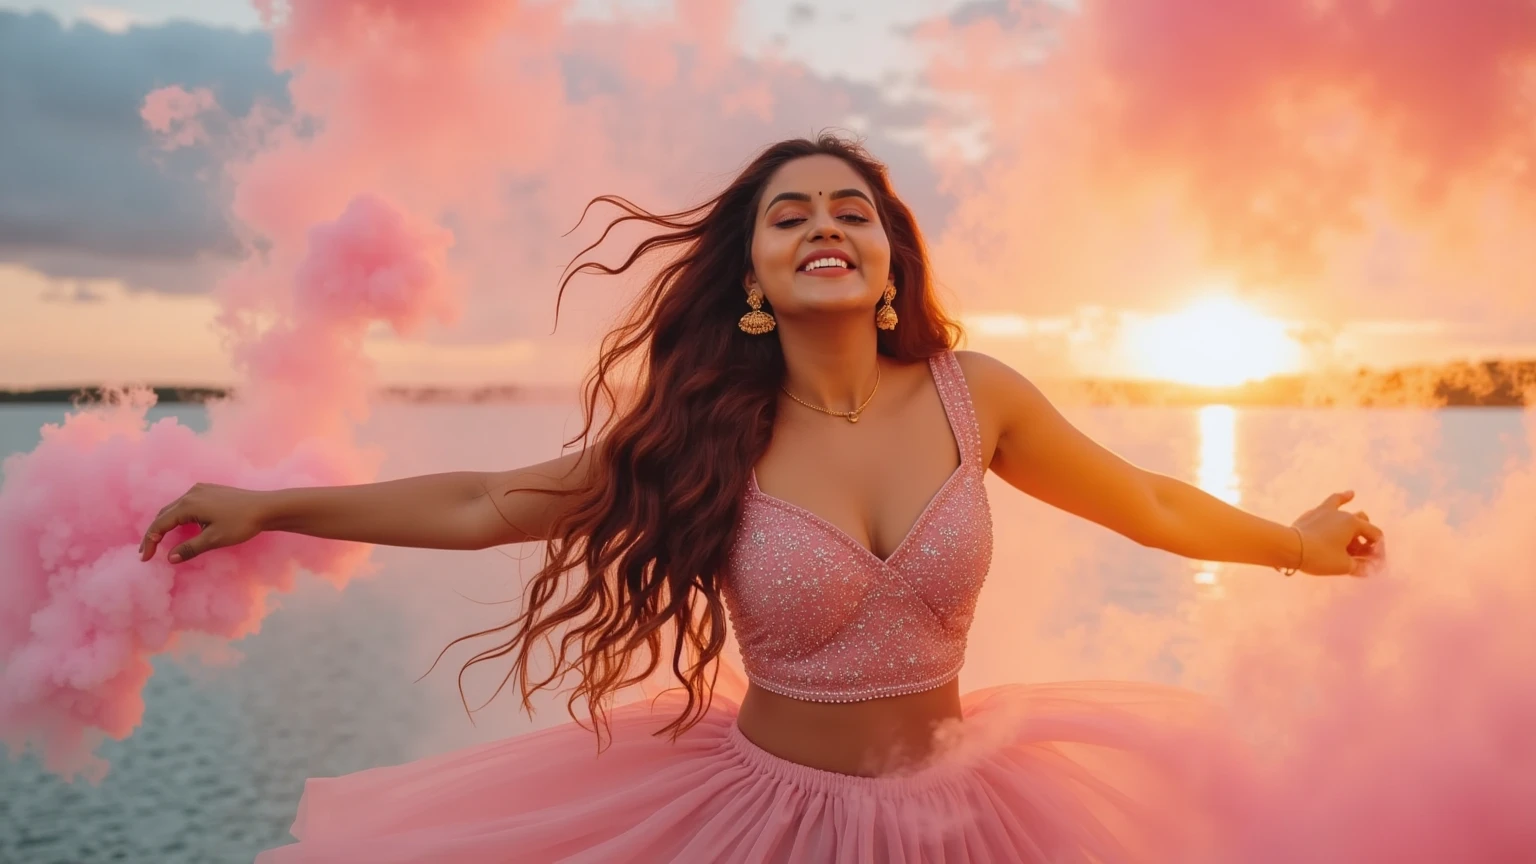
885 317
757 322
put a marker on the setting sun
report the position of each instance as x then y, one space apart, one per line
1218 341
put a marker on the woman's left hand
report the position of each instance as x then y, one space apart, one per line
1336 542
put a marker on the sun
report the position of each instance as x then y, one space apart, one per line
1217 341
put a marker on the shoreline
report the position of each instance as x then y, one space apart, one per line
1491 384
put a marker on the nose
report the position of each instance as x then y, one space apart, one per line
824 227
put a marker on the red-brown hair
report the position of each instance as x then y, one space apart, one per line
649 535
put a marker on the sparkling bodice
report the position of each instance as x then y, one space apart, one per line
820 617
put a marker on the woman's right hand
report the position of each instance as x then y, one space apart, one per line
1337 542
227 515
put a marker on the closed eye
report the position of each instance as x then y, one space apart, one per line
852 218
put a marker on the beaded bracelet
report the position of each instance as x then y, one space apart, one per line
1291 571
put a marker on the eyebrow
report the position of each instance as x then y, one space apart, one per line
801 196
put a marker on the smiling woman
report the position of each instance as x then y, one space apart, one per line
1215 342
736 489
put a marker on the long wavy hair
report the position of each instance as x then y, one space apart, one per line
648 535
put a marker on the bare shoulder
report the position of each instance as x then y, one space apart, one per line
1003 398
982 368
992 381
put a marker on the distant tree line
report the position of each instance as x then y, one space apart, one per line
1489 384
89 394
1492 383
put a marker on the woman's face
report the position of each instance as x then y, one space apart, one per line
818 245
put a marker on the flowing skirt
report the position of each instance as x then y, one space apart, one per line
1076 772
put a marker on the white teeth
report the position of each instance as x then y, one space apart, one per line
827 262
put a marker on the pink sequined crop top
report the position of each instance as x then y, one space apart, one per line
820 617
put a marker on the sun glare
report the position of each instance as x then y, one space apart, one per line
1218 341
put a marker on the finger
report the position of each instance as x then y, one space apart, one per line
163 522
1363 515
162 526
1338 499
192 548
151 536
1369 531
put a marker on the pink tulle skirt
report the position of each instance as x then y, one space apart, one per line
1051 772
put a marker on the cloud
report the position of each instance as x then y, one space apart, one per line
110 18
73 292
173 113
1347 158
977 10
82 193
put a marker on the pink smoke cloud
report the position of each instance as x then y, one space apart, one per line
1377 719
372 264
531 116
173 113
88 613
83 614
1284 146
1390 718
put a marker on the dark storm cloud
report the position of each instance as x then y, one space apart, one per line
84 191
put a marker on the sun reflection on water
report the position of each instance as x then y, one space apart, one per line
1216 472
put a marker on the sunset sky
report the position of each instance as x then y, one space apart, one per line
1177 189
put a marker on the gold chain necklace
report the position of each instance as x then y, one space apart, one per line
850 416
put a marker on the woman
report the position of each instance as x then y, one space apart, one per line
803 451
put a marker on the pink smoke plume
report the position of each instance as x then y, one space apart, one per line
87 614
83 616
172 112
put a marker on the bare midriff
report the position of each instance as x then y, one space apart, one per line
868 739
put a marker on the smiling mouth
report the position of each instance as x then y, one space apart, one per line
828 267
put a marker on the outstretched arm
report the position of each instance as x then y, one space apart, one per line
452 510
1043 455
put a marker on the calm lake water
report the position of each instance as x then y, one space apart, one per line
329 684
